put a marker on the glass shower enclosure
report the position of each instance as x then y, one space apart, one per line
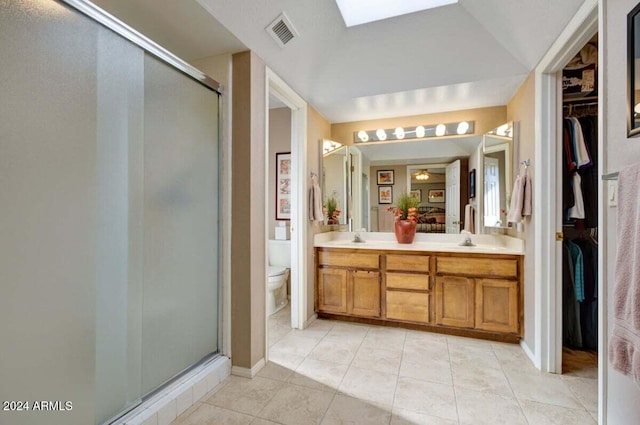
109 226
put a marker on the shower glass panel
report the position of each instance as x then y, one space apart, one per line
109 223
180 303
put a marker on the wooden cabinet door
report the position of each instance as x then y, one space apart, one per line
332 290
455 300
497 305
363 296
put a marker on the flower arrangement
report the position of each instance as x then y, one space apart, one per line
332 211
406 208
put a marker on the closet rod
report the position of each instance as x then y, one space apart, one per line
610 176
575 105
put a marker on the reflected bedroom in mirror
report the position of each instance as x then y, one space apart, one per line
434 170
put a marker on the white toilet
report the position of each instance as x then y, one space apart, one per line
279 264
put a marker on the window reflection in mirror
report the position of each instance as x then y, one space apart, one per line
334 182
497 163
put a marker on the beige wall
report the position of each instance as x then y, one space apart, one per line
619 151
248 243
485 119
521 109
279 141
318 128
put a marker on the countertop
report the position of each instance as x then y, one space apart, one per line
484 244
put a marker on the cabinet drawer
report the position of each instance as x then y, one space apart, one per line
413 263
348 259
477 266
408 281
409 306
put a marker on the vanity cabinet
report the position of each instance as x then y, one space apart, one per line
467 294
455 301
478 293
332 290
497 305
348 283
407 287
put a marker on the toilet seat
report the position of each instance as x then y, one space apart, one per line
276 271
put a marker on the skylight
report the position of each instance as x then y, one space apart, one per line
356 12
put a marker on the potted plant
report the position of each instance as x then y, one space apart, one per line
406 212
332 211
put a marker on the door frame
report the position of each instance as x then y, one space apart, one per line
277 87
547 352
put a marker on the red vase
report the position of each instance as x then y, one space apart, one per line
405 231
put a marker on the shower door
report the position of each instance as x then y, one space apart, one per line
109 215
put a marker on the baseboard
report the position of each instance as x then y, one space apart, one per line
169 403
245 372
310 320
528 352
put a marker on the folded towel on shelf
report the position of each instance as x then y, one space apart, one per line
624 344
315 201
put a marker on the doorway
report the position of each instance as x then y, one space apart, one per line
579 213
279 91
546 348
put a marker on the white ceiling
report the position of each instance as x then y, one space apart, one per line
472 54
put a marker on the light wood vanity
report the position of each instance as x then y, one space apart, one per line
469 294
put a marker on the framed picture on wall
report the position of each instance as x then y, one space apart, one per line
416 194
436 195
385 177
385 195
283 186
472 183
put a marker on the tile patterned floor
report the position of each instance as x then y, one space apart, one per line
341 373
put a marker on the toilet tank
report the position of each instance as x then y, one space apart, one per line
279 253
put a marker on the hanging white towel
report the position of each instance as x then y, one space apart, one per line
315 201
624 343
526 208
469 218
517 197
577 211
582 154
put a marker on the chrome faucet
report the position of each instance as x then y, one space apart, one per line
467 239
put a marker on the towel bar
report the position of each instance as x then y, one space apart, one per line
610 176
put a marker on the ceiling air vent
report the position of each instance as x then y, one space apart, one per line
282 30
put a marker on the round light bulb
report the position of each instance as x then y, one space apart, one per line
441 130
502 130
399 133
363 136
636 108
420 132
381 134
463 127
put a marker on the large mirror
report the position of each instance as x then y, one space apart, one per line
433 170
349 175
496 175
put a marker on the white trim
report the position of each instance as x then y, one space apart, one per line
603 326
225 161
548 317
299 200
245 372
527 350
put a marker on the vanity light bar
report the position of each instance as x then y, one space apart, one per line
419 132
